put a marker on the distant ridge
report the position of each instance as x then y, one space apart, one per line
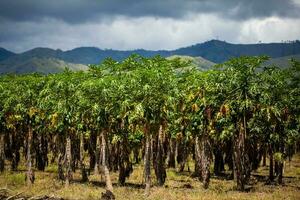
220 51
284 61
197 62
41 60
4 54
214 51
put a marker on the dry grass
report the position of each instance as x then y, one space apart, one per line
179 186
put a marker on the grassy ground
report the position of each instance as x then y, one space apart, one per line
179 186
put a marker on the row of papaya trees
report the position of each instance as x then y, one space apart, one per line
156 112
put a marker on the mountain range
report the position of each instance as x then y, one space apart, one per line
46 60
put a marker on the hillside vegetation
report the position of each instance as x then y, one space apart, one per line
214 51
4 54
39 65
197 62
284 61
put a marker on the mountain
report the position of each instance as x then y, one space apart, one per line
4 54
40 65
46 60
198 62
284 61
219 51
214 51
42 60
93 55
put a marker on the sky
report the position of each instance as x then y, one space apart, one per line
147 24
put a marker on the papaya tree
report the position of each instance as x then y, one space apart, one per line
240 80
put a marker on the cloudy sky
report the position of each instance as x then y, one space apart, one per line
148 24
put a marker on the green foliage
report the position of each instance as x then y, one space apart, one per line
122 96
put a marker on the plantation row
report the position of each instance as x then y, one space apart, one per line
155 111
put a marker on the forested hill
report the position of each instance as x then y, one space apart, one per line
215 51
219 51
4 54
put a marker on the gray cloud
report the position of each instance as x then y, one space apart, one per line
149 24
145 32
79 11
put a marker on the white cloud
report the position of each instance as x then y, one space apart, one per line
146 32
271 29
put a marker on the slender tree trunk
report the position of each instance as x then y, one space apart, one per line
136 153
14 146
280 163
147 160
198 164
53 148
92 152
280 172
234 175
97 154
160 170
121 164
30 173
60 143
41 154
125 166
2 153
68 161
205 155
172 149
115 155
255 154
239 158
181 152
276 167
271 167
264 157
105 169
84 176
219 161
75 153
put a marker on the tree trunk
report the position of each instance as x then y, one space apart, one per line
92 152
105 169
75 153
281 162
30 173
198 164
97 154
160 170
2 153
136 152
84 177
280 172
205 156
264 157
41 154
181 149
239 158
15 147
219 161
276 168
68 161
147 160
271 167
171 155
124 151
125 165
53 148
60 143
255 154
